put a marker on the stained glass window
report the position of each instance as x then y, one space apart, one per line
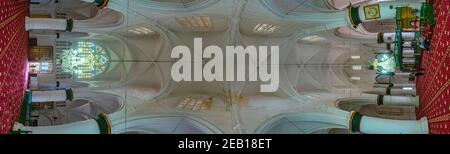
85 60
384 63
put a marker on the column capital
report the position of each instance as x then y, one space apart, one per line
104 124
101 4
380 38
380 99
69 25
69 94
354 121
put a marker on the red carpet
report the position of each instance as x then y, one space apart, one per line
13 60
434 86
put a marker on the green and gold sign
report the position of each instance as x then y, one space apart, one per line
372 12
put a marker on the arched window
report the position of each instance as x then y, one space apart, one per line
384 63
85 60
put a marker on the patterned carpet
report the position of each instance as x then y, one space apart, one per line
13 60
434 87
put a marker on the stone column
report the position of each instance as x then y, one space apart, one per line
60 35
48 24
398 100
372 125
395 86
109 18
100 125
390 37
51 96
392 92
379 11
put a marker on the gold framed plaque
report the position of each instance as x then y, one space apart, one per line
372 12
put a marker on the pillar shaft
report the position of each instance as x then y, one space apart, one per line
63 35
100 125
53 85
60 35
48 24
392 92
388 126
82 127
398 100
52 96
109 18
398 85
401 92
390 37
372 125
